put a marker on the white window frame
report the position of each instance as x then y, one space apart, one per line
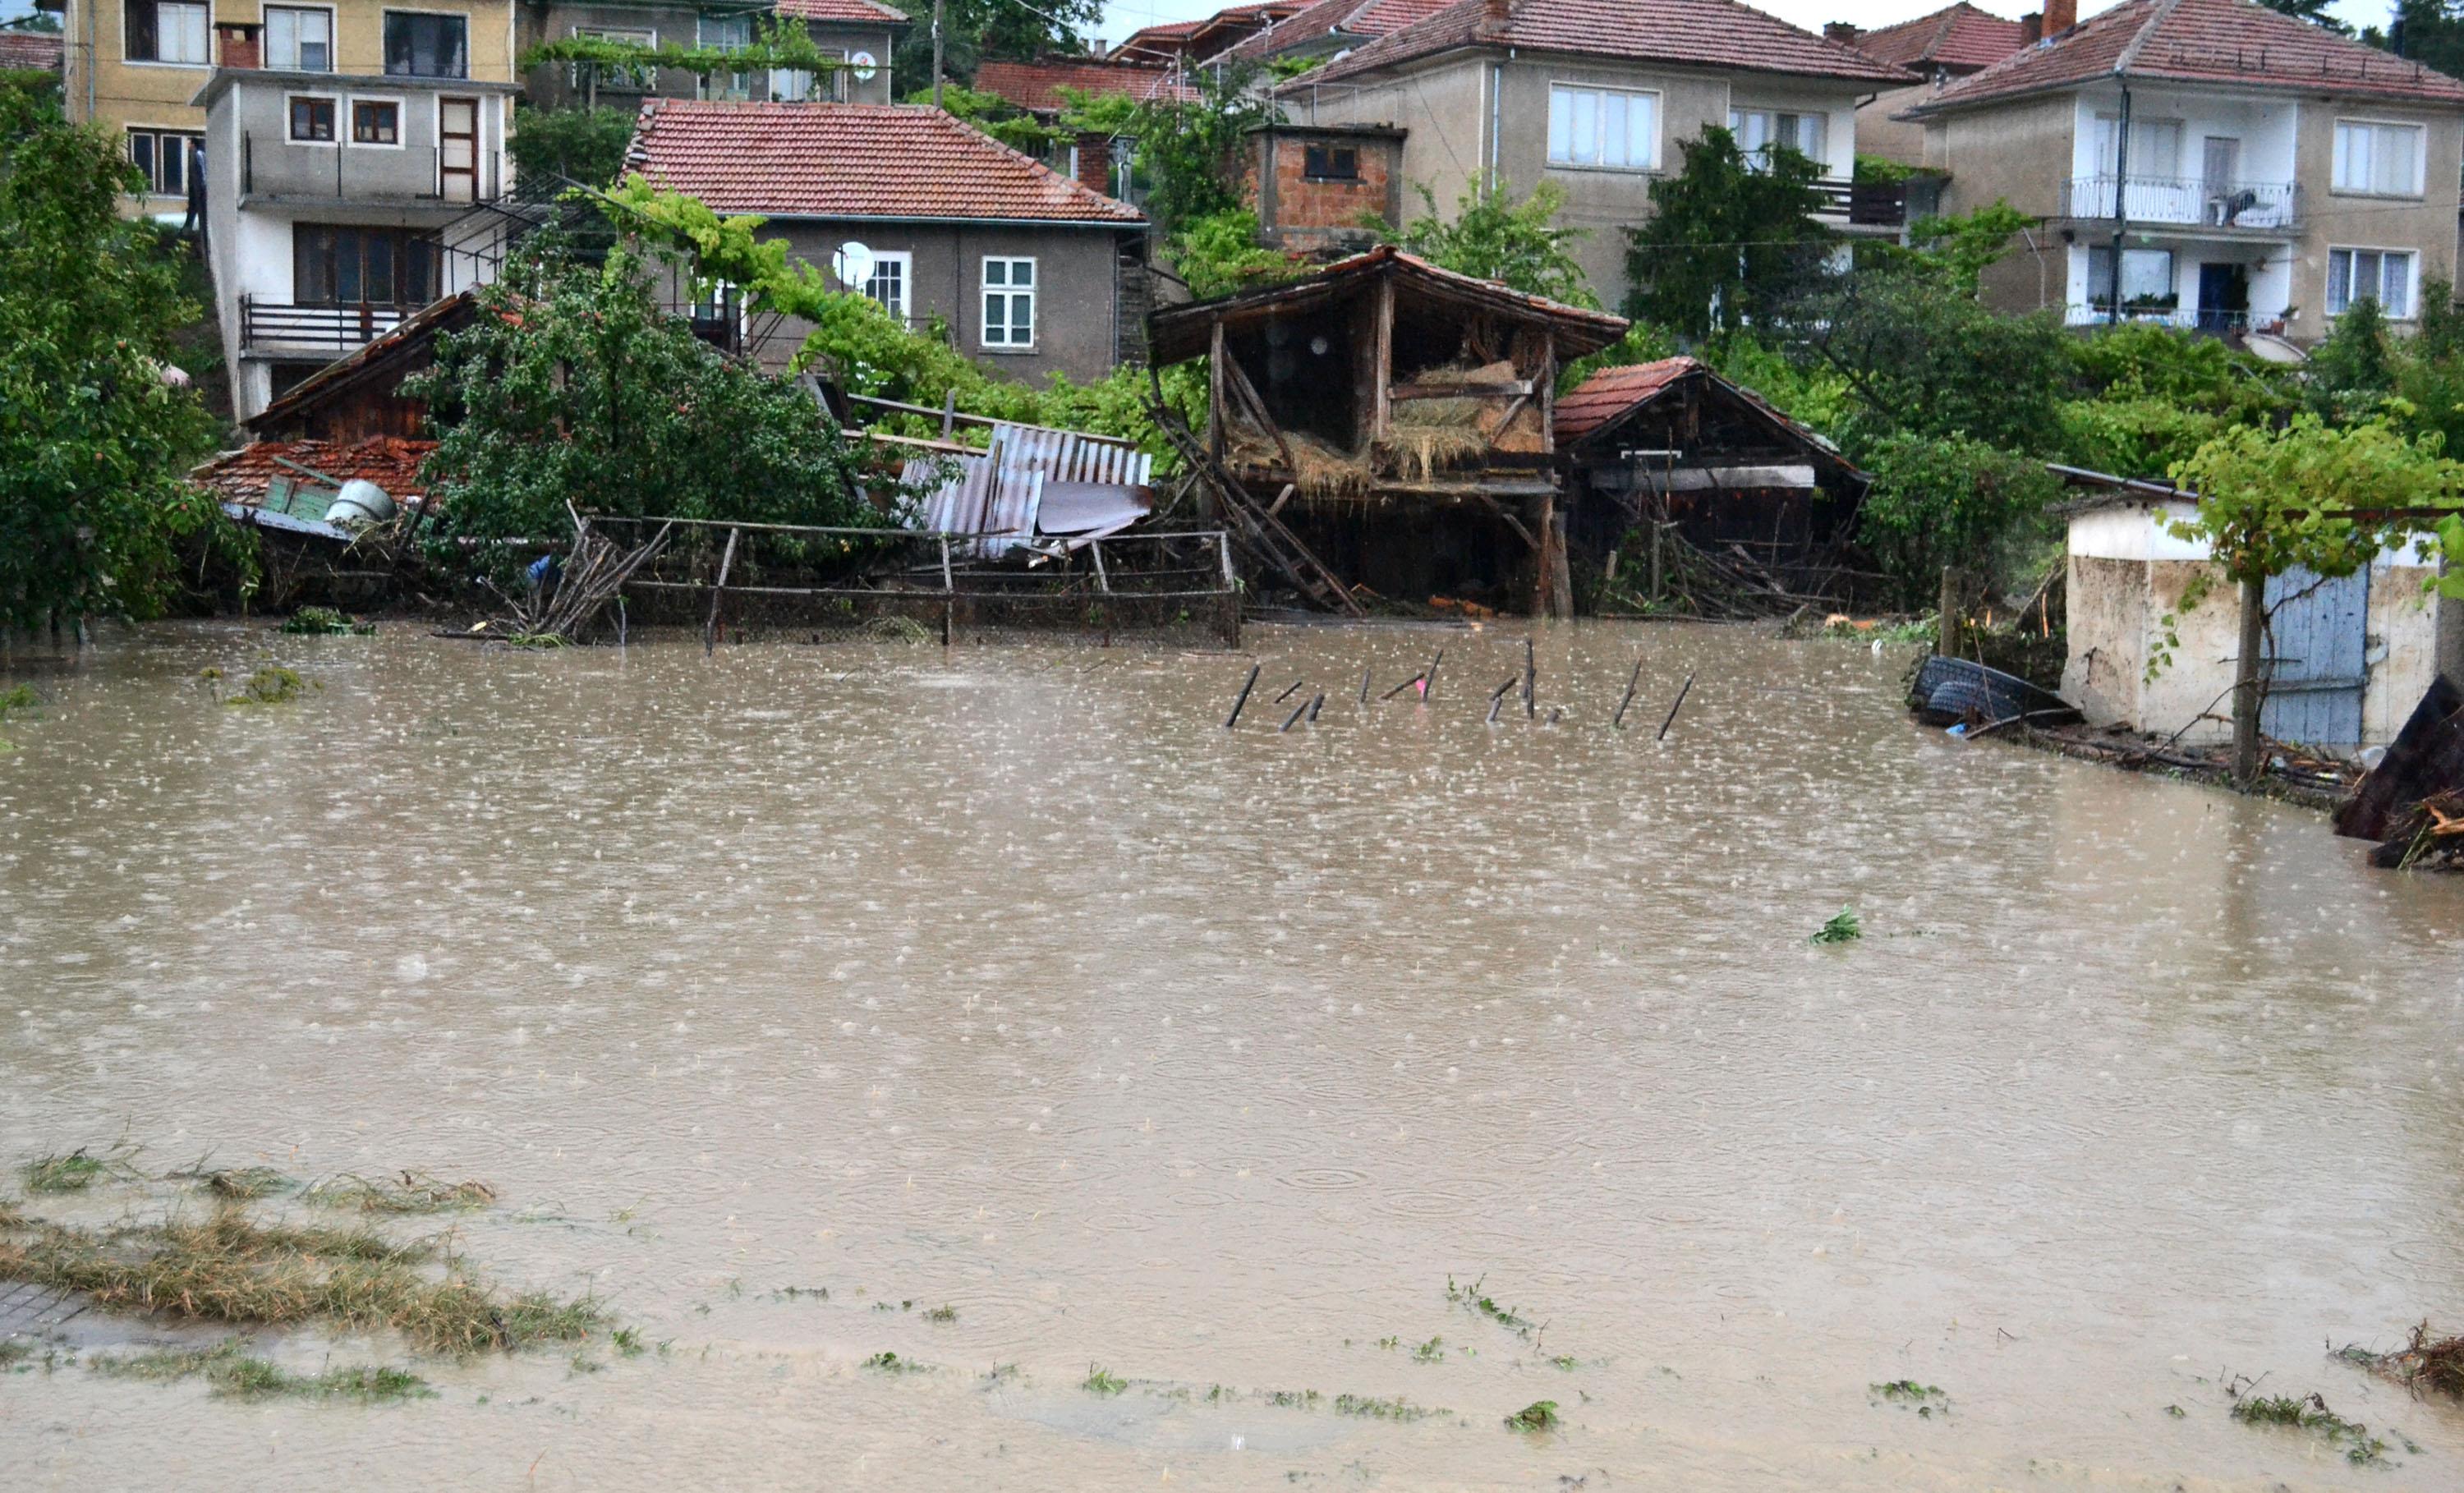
205 39
905 259
341 119
2411 258
1821 156
2336 157
1571 90
349 132
267 14
986 291
2100 286
159 132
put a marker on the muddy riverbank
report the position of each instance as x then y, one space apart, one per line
1006 980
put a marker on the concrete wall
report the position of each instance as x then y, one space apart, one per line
1877 134
671 23
1079 318
2127 574
103 85
2341 220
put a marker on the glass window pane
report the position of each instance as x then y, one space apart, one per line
1643 131
1613 130
1587 129
140 149
175 166
1561 125
347 281
2340 281
1021 272
2397 286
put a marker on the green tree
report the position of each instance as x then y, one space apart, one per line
1729 239
1921 359
2316 11
1494 237
1219 254
1190 154
585 145
1963 247
572 384
2428 31
975 31
2353 370
2306 495
95 444
996 116
1938 500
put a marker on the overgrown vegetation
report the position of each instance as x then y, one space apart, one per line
2425 1362
1494 237
327 622
272 685
1927 1399
409 1192
1541 1415
1843 927
2310 1413
585 145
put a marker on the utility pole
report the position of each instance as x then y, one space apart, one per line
2120 205
936 53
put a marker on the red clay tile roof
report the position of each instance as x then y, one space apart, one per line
31 52
852 161
1719 34
1957 36
1612 391
860 11
1036 86
390 461
1346 17
2231 42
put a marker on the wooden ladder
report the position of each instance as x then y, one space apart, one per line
1260 535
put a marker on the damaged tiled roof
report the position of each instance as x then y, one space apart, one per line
1607 396
853 160
30 52
2200 41
417 330
1957 36
1036 86
1342 17
390 461
1719 33
860 11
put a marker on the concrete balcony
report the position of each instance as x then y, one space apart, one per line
278 169
2272 209
276 326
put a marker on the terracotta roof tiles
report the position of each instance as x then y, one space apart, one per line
1717 33
1345 17
390 461
858 12
853 160
2231 42
1956 36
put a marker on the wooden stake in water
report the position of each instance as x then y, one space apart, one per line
1631 680
1364 686
1531 682
1288 690
1298 710
1314 706
1246 685
1429 685
1672 710
1400 688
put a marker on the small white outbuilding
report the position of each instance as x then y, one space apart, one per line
2349 657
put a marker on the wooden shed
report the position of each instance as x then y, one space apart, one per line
1671 448
1397 418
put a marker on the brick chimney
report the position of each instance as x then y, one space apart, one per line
1096 48
241 46
2060 15
1496 15
1094 155
2032 28
1844 32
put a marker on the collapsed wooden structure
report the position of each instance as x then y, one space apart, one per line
1670 451
1386 424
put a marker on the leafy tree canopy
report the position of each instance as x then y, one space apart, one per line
2316 11
975 31
1729 238
1494 237
585 145
1934 364
95 444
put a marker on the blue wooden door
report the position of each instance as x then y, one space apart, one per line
2317 666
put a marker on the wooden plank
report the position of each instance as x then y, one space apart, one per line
1489 388
1382 360
1257 402
709 623
1215 360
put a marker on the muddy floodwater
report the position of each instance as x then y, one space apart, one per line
1008 980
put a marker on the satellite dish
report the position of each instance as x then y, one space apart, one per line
852 264
862 66
2275 349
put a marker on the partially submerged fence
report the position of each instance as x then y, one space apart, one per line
824 585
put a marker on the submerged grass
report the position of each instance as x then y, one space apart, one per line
238 1184
1102 1381
1396 1408
1844 927
227 1267
1471 1299
232 1372
1925 1399
2310 1413
416 1191
1541 1415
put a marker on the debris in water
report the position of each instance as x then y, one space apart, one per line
2425 1362
1102 1381
1844 927
416 1193
1541 1415
272 684
1908 1394
327 622
1247 685
2310 1413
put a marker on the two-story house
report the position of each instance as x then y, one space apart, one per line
1937 47
859 32
1595 95
2211 164
138 67
1030 272
339 200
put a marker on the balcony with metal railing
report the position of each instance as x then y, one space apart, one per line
1875 204
2237 208
331 329
452 175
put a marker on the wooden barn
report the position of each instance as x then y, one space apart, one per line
359 397
1672 450
1392 421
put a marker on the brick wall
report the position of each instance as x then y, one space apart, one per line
1299 211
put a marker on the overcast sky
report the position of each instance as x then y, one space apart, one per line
1124 17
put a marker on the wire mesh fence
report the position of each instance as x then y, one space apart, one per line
755 581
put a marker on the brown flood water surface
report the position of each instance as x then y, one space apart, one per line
1008 980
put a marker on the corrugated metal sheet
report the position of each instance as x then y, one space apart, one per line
999 493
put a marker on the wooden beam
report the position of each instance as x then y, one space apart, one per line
1511 522
1257 402
1382 360
1491 388
1215 360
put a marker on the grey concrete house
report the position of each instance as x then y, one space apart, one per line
859 32
1945 44
2208 163
1594 95
1032 272
338 203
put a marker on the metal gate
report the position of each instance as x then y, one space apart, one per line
2319 662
